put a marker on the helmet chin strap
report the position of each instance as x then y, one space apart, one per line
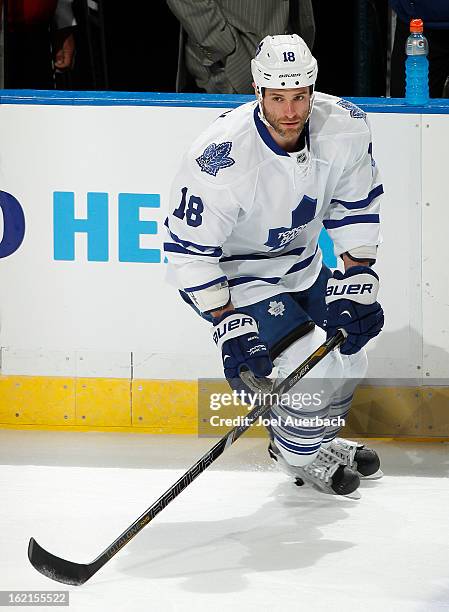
259 91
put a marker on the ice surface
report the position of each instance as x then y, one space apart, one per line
241 537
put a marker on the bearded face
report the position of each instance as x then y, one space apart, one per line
287 110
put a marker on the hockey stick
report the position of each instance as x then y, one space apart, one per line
69 572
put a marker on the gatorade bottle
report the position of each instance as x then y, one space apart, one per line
416 65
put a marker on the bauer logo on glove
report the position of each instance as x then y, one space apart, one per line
233 326
351 305
361 288
237 335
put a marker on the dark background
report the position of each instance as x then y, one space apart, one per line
351 47
134 47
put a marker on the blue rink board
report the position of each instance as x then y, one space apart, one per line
114 98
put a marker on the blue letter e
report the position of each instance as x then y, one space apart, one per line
131 227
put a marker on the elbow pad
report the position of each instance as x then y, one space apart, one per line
211 298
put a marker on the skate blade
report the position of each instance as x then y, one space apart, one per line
354 495
376 476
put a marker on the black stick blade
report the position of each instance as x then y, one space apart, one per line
56 568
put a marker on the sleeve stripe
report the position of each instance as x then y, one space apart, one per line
374 193
201 247
206 285
187 244
170 247
336 223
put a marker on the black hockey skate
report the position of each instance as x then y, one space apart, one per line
326 473
365 461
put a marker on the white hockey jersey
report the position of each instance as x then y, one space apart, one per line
245 210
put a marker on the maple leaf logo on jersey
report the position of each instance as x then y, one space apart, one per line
354 110
215 158
279 237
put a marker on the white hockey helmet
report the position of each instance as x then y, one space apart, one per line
283 61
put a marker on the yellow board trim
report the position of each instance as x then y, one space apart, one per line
171 407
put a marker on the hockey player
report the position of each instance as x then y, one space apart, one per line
246 209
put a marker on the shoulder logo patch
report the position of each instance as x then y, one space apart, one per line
354 110
215 157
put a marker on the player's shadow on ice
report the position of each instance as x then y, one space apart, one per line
217 556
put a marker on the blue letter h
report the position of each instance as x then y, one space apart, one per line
96 226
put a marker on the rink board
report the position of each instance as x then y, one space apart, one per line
91 334
164 407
